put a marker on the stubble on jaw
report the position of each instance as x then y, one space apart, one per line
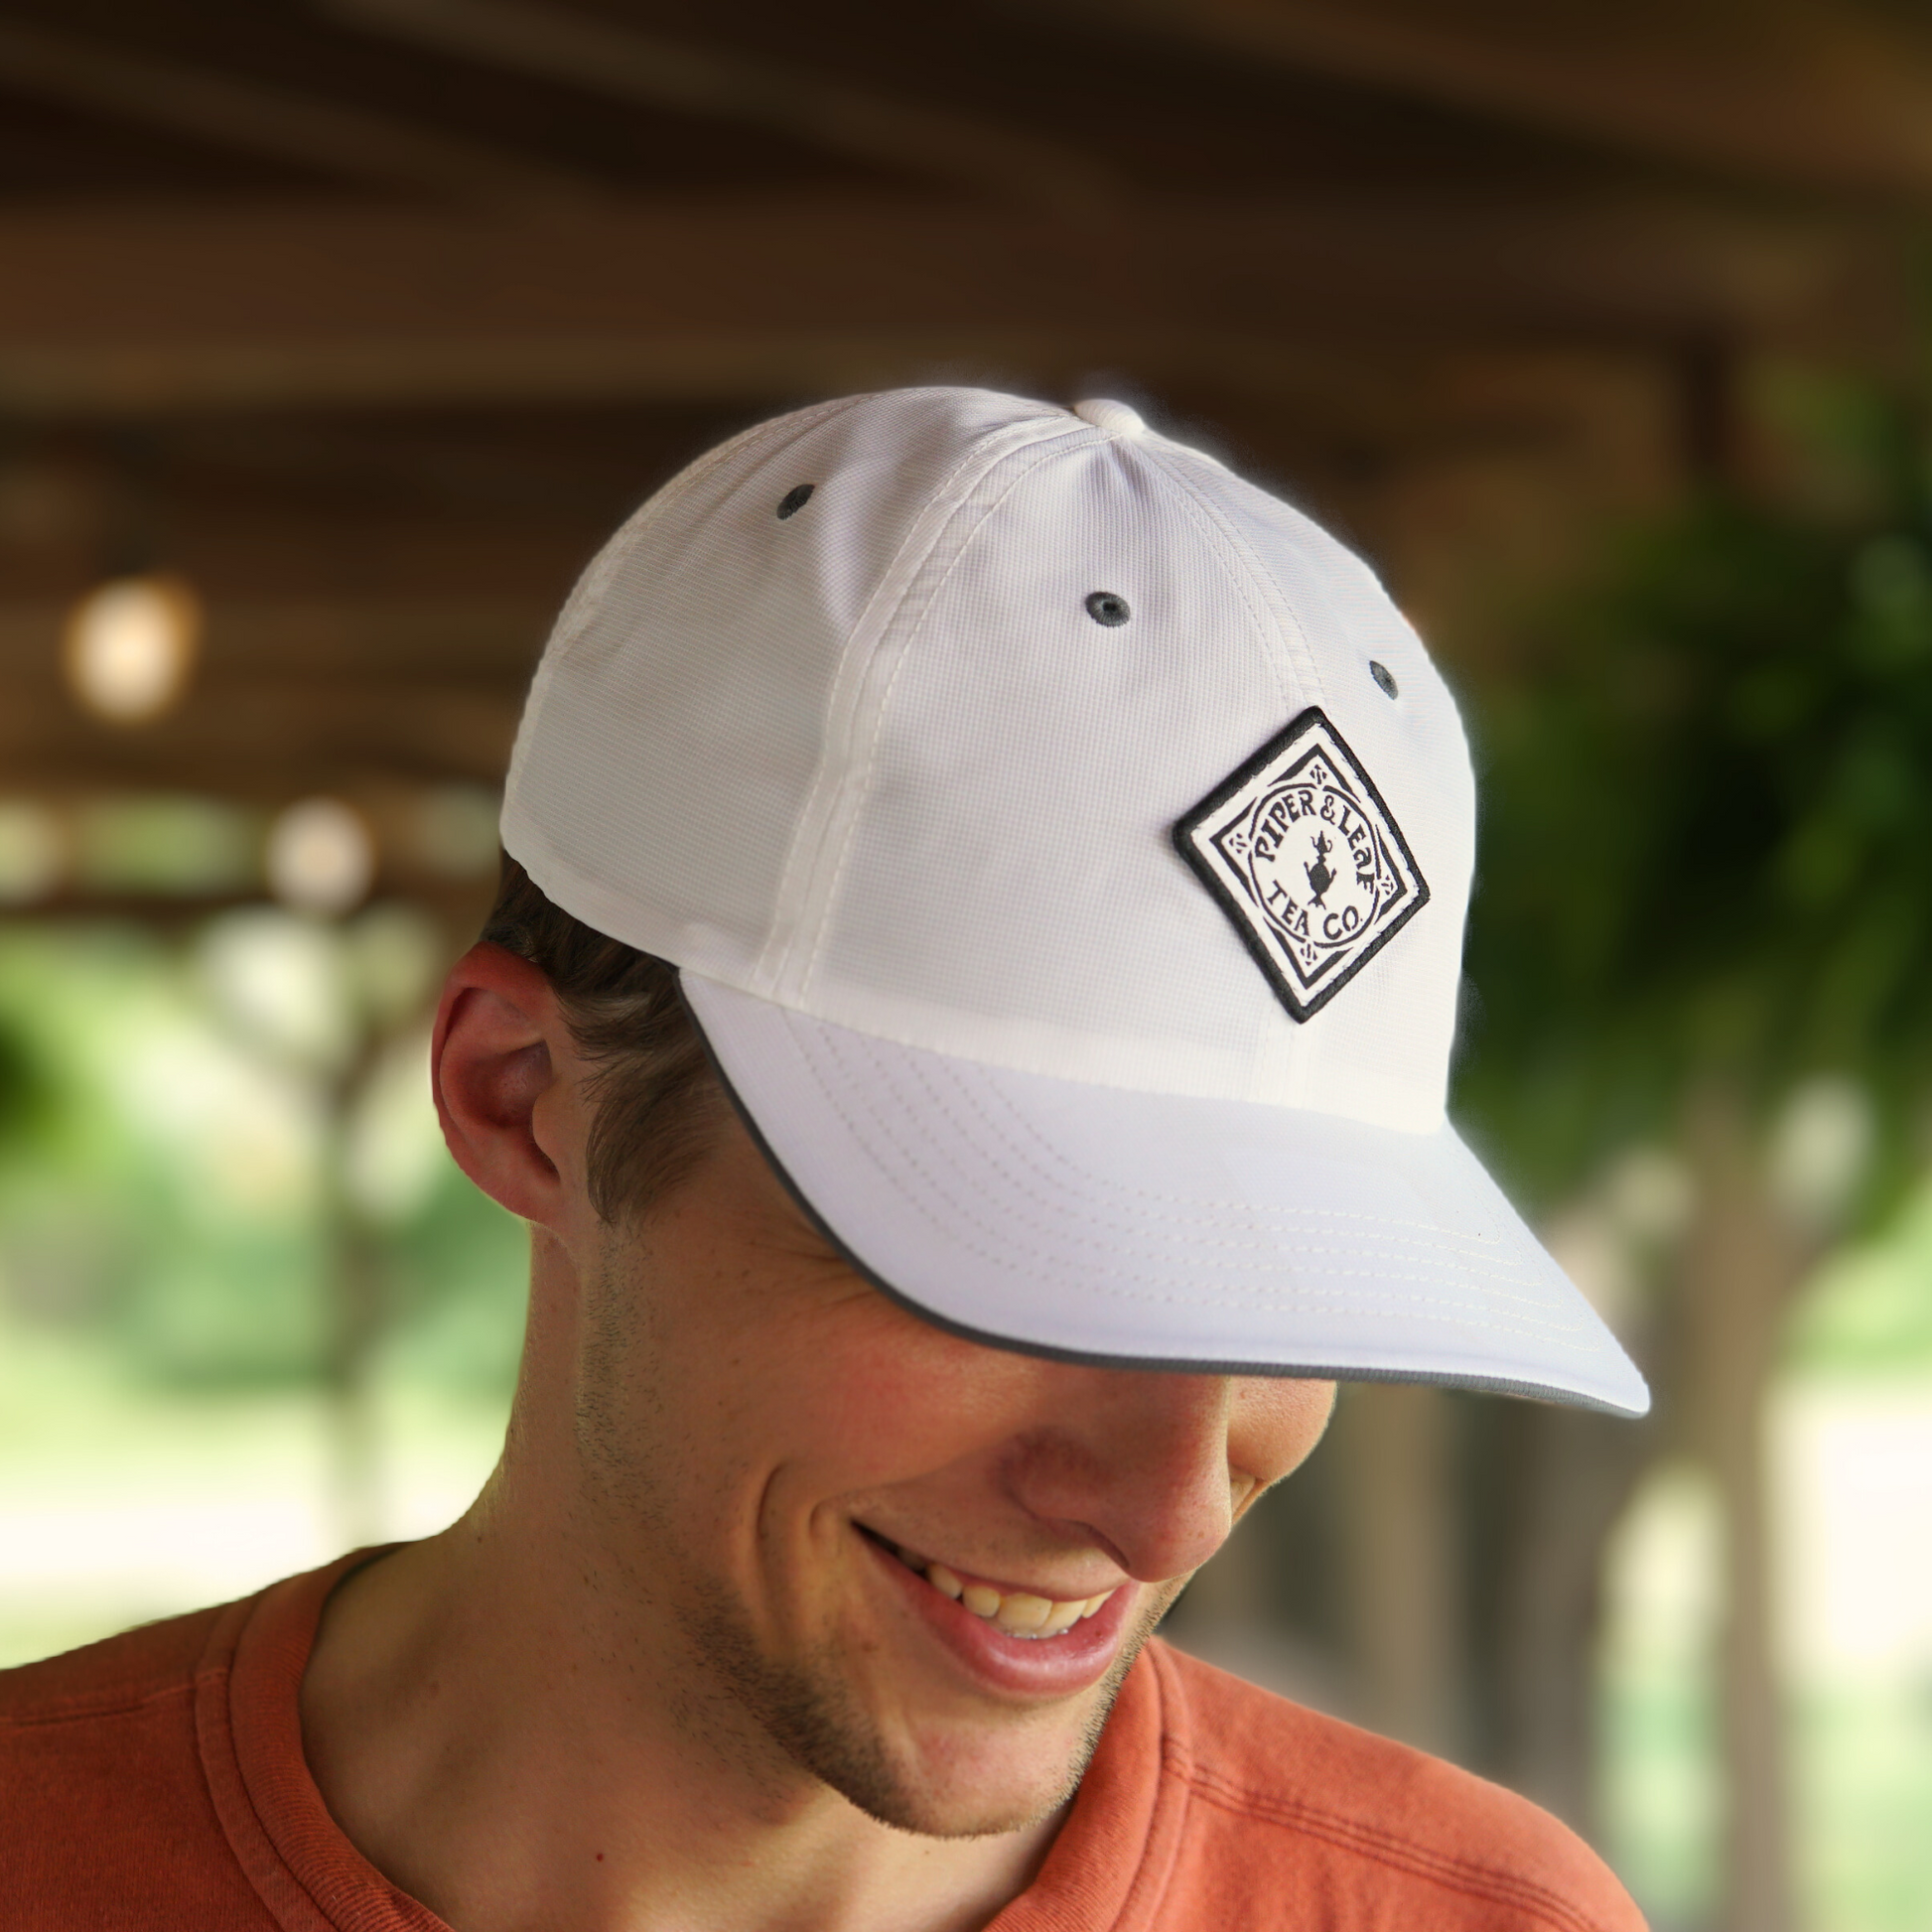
738 1692
809 1711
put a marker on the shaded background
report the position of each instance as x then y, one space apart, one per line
334 337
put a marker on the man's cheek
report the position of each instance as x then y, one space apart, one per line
897 1426
880 1431
1278 1425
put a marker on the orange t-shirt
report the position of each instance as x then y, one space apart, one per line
157 1781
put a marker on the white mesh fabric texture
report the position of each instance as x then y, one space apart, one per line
876 760
676 723
1007 888
875 766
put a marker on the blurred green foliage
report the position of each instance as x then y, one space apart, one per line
27 1094
162 1184
1707 847
1868 1312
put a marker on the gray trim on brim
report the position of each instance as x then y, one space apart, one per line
1301 1368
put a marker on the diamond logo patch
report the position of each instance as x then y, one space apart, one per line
1307 861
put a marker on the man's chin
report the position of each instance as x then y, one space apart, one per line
968 1786
958 1776
946 1816
967 1776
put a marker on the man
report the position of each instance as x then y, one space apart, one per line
966 1021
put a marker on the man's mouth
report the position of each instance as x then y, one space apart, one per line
1016 1612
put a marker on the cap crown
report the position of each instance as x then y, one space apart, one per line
876 761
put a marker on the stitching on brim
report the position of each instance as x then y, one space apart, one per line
1084 1173
1053 1233
1470 1315
1087 1211
1254 1214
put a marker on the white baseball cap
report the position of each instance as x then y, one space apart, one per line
1064 848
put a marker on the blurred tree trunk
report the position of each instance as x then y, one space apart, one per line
1394 1452
356 1309
1744 1260
1574 1474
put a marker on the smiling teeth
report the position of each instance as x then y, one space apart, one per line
1016 1612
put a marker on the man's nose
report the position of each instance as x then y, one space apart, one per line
1137 1462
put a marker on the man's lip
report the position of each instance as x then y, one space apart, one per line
903 1552
1002 1663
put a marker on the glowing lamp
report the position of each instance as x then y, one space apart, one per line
321 857
130 647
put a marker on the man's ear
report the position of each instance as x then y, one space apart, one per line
501 1071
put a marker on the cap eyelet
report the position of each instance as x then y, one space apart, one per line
1107 608
1384 677
795 500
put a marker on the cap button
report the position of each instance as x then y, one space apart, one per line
1115 416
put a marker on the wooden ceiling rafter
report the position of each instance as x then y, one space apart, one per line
612 231
124 311
924 139
1799 94
223 110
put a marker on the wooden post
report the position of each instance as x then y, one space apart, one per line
1393 1443
356 1313
1744 1259
1574 1474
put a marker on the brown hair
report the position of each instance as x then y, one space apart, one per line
658 1104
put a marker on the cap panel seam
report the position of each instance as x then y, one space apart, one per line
622 541
1236 563
863 789
1242 564
791 904
809 884
609 561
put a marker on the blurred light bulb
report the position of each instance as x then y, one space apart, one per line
321 857
130 646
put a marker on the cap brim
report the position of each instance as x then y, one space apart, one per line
1149 1230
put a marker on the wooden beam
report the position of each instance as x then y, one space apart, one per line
109 312
266 742
1801 91
715 83
223 111
287 698
458 642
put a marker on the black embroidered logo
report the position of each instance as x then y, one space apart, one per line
1307 861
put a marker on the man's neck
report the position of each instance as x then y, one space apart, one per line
507 1753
